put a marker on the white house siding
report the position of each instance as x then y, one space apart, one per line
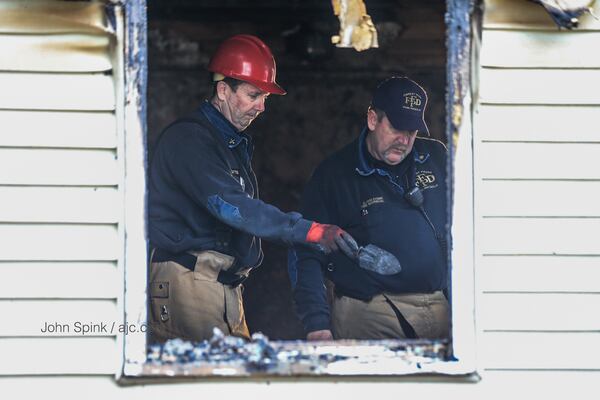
537 194
61 205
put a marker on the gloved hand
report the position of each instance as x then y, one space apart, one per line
330 238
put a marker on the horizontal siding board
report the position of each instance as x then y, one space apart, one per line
538 236
59 280
526 49
59 318
540 350
539 311
58 356
59 242
539 198
519 14
52 17
46 91
60 204
58 167
538 161
538 123
531 86
58 129
539 273
55 53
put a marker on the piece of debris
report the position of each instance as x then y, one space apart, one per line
228 355
566 14
356 27
258 354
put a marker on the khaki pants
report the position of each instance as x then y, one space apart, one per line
427 313
189 304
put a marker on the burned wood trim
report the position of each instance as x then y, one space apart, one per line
458 30
463 36
135 67
398 358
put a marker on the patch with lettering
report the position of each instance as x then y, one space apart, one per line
413 101
369 202
426 180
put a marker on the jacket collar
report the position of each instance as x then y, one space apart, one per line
230 135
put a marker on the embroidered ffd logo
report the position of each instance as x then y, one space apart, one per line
426 180
412 101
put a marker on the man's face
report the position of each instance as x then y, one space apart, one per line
387 144
241 106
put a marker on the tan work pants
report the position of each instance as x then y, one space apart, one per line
189 304
427 313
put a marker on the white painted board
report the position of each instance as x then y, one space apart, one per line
47 318
64 129
538 273
540 86
539 311
47 91
58 356
538 236
538 123
527 49
540 350
59 242
60 204
55 53
58 167
18 16
60 280
538 161
539 198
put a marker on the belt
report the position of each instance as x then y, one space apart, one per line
189 261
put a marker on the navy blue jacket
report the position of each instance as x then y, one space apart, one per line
201 181
367 201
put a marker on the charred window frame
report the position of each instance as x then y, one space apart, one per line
343 358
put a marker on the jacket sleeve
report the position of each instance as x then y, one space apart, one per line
197 165
305 264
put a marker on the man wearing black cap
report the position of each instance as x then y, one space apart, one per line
387 188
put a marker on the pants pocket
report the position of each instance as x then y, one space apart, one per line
209 264
160 313
234 312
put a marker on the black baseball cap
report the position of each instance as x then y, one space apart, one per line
403 101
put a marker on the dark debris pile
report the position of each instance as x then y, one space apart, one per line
258 354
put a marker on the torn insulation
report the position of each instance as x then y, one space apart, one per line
356 27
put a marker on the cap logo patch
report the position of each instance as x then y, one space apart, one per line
412 101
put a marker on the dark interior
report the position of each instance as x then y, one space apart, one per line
328 89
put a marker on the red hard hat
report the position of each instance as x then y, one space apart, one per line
247 58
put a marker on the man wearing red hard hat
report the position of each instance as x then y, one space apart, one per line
205 218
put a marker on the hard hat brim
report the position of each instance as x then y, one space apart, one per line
268 87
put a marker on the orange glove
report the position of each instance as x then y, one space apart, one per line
330 238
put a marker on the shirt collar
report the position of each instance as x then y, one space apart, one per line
231 135
365 168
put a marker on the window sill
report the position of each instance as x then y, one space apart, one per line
335 359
